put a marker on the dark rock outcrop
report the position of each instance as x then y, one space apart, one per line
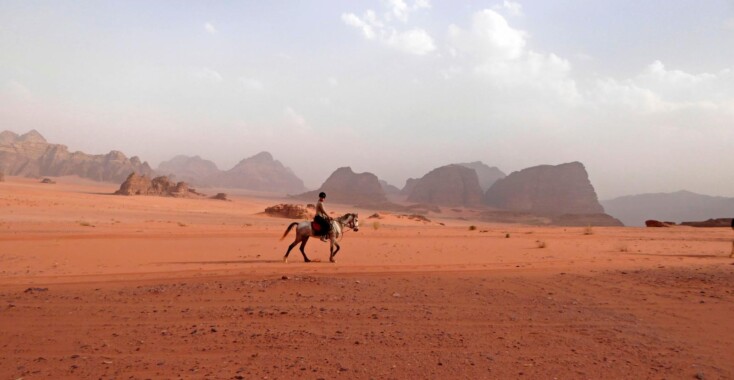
160 186
451 185
30 155
719 222
655 223
346 186
581 220
486 174
194 170
289 211
633 210
546 190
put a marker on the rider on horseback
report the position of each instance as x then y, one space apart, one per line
322 218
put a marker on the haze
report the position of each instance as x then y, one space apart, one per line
641 92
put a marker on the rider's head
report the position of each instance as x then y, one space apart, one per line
322 195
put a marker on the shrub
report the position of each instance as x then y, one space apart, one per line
472 228
541 243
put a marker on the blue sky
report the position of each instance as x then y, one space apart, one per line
641 92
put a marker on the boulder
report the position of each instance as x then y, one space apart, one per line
289 211
160 186
346 186
546 190
220 197
451 185
48 181
655 223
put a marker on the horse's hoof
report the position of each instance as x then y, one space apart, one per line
307 261
332 260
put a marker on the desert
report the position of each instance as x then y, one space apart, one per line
96 285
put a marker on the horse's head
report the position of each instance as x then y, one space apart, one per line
353 222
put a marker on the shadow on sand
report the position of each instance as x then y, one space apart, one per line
223 262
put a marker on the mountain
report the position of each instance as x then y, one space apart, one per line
346 186
486 174
679 206
451 185
30 155
546 190
194 170
260 172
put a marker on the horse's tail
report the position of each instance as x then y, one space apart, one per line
290 227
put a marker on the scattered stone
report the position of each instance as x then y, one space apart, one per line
161 186
220 197
284 277
655 223
48 181
33 290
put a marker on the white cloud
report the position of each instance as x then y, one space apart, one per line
511 7
251 83
412 41
415 41
352 20
400 10
498 52
210 28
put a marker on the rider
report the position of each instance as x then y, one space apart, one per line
322 218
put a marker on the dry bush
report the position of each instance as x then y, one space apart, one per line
376 225
507 235
541 243
472 228
588 230
622 247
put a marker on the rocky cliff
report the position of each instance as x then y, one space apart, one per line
261 173
486 174
346 186
30 155
194 170
546 190
451 185
633 210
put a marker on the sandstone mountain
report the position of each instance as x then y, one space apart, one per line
451 185
346 186
194 170
409 185
30 155
260 173
679 206
161 186
388 188
546 190
487 175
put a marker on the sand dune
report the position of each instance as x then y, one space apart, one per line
96 285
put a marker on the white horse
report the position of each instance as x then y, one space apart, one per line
305 231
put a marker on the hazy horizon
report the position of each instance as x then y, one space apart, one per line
641 93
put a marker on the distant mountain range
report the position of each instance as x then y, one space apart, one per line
677 207
30 155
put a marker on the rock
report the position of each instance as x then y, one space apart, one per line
680 205
584 220
487 175
655 223
409 185
221 197
720 222
289 211
30 155
346 186
160 186
451 185
546 190
48 181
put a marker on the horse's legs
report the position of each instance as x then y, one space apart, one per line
303 252
333 252
285 258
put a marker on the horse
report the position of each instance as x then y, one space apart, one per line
305 231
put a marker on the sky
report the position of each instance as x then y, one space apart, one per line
640 92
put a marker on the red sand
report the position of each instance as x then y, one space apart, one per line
100 286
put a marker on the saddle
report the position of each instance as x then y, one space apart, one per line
317 229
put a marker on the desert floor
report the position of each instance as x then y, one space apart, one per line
94 285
